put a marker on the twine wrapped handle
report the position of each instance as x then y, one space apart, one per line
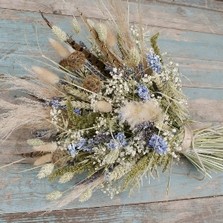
188 139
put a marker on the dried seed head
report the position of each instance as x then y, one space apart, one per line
60 157
45 171
90 22
76 25
101 30
66 177
86 195
134 57
54 195
35 142
62 36
92 83
74 61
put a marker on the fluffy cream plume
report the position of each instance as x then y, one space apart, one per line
102 106
137 112
48 147
59 48
111 38
43 159
26 113
45 75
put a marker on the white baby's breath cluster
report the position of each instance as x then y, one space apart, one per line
170 73
117 86
54 113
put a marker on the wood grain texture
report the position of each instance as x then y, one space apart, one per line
191 32
183 211
24 40
175 16
215 5
23 192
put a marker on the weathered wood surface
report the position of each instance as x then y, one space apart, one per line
191 32
183 211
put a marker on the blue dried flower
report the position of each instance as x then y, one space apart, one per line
143 92
73 148
113 144
154 62
158 144
55 103
120 140
77 111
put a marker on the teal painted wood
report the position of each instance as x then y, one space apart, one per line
183 211
215 5
23 192
160 14
199 54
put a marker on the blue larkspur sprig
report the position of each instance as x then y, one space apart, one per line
82 145
118 141
154 62
158 144
143 92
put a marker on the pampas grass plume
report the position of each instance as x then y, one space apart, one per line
59 48
45 75
137 112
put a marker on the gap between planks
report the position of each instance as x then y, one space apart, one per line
206 209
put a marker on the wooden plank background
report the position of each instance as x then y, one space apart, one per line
191 32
